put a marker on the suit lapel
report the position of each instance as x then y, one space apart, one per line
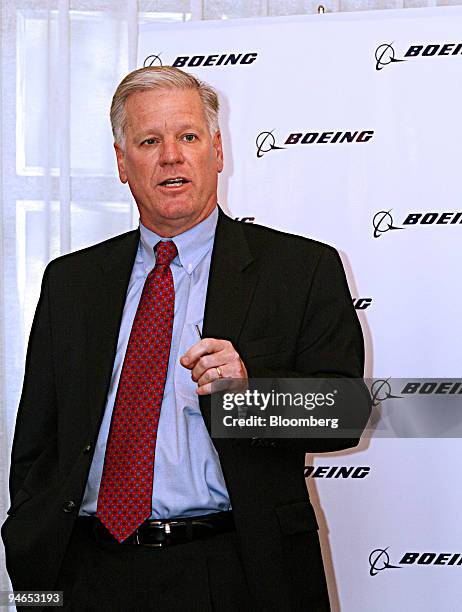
231 285
104 319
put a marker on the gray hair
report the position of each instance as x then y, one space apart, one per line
160 77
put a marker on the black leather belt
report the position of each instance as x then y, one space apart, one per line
166 532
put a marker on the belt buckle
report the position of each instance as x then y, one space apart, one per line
165 525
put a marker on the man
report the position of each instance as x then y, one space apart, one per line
119 495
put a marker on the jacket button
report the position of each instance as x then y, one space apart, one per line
87 449
69 506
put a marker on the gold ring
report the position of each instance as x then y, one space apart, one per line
220 375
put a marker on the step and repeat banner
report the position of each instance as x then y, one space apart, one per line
347 129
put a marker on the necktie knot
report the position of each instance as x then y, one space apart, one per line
165 253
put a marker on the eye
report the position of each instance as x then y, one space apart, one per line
189 137
149 141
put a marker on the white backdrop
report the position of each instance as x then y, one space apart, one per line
332 191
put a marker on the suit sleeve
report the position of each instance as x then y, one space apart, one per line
330 345
35 427
330 341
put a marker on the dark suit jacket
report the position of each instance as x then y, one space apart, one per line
284 303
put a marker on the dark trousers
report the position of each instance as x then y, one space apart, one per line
198 576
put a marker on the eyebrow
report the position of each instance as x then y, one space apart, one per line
153 130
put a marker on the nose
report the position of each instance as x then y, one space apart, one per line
170 152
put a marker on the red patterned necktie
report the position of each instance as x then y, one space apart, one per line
125 494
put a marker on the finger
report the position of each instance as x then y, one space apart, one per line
210 362
186 359
229 362
235 385
204 390
211 375
203 347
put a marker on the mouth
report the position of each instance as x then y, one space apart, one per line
177 181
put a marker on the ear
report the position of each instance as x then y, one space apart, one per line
217 145
120 163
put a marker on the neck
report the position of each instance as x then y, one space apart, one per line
174 227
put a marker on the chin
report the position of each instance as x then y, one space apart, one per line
178 210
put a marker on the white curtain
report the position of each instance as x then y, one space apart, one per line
61 60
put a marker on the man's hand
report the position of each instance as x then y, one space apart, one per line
211 359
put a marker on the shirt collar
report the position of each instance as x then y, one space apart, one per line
192 245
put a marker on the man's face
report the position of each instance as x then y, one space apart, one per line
170 161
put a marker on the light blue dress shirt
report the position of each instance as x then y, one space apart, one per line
188 480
